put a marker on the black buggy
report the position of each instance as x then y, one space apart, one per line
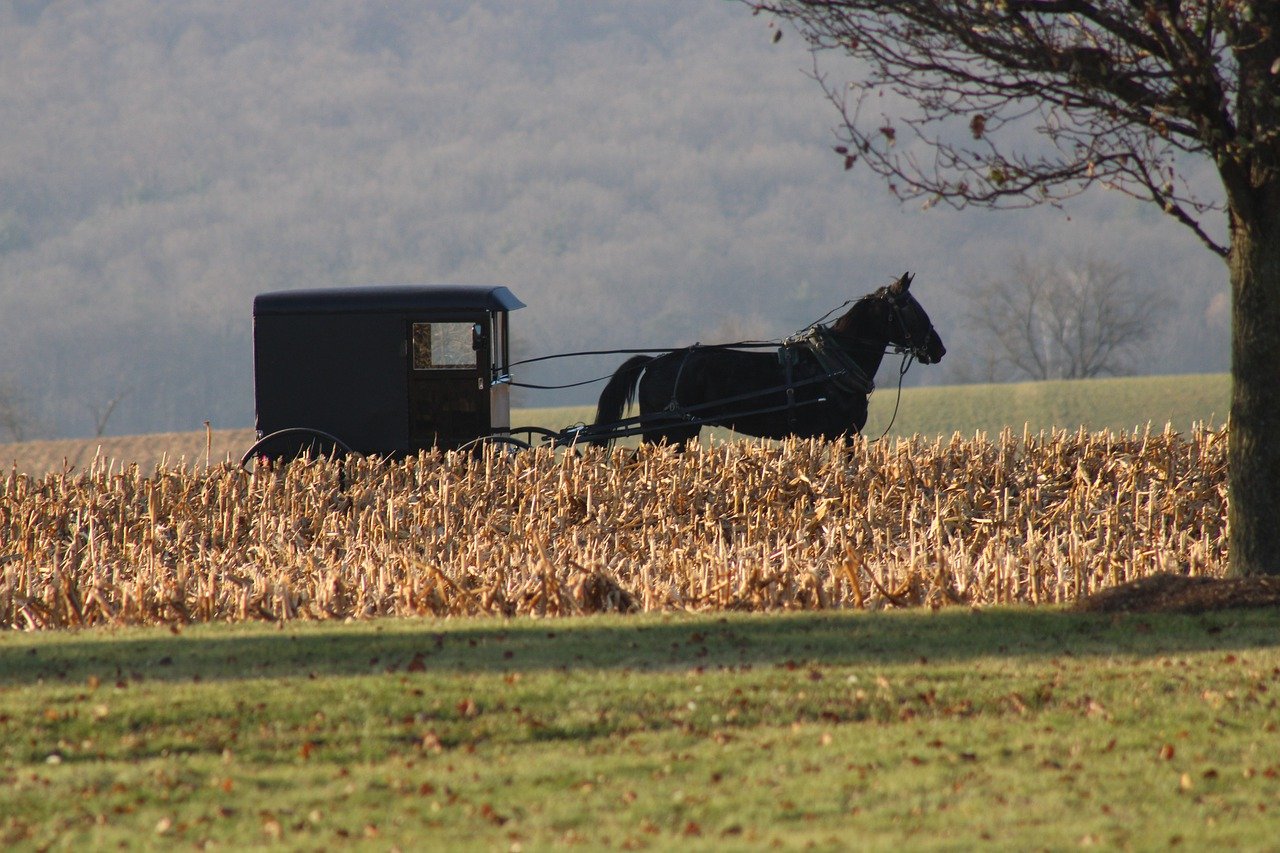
385 371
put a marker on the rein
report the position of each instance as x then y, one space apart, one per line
843 364
737 345
907 360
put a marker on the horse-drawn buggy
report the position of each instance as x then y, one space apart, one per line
392 371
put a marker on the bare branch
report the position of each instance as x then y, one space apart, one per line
102 413
1014 103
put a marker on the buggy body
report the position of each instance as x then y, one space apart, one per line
386 370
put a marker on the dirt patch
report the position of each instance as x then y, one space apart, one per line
1170 593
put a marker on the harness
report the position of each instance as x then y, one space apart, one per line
674 407
846 375
845 378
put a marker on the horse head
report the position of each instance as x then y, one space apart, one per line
907 323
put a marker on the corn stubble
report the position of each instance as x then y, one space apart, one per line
738 526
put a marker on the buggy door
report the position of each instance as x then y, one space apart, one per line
449 370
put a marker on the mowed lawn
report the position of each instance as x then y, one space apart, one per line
1010 728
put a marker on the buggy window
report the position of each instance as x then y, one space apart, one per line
444 346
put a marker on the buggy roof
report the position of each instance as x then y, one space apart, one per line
386 299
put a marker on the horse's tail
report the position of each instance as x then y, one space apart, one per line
619 393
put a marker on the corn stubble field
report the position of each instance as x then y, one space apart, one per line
1017 518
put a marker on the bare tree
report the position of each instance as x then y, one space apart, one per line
1002 103
16 420
1063 320
102 413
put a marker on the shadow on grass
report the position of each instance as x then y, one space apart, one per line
639 643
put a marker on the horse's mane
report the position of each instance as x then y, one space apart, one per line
844 323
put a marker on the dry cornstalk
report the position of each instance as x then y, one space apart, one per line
796 525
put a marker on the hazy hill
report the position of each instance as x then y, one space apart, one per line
641 174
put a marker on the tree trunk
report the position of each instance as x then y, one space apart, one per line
1254 452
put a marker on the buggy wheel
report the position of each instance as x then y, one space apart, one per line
562 441
295 443
545 435
507 443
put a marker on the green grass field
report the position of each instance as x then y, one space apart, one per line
1120 405
1011 728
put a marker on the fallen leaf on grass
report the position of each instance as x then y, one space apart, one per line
488 812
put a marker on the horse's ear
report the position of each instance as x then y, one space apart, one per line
901 286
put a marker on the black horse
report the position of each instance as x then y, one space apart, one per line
814 385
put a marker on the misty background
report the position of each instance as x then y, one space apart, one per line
641 174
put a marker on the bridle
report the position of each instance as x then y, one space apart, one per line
899 305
